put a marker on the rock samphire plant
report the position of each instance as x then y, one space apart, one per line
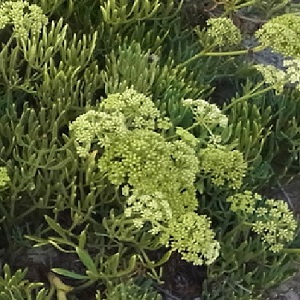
118 153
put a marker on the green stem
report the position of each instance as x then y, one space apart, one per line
235 53
12 207
247 223
26 213
149 264
85 285
187 129
248 96
228 53
207 128
291 250
237 7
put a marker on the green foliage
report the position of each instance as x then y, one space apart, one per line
14 286
264 129
131 291
126 13
110 269
250 129
130 66
111 152
239 275
257 8
285 136
270 9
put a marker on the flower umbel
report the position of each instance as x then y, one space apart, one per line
23 16
275 224
244 202
206 114
279 78
273 76
223 166
138 110
282 34
293 71
191 235
153 209
270 219
222 32
99 126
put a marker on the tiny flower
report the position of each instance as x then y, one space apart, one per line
275 223
244 202
282 34
125 190
23 16
187 102
206 114
4 178
273 76
192 237
222 166
222 32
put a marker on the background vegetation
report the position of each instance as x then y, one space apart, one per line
136 138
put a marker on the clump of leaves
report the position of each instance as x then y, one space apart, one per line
132 291
14 286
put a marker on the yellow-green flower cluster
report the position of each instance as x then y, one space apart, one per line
222 32
282 34
293 71
23 16
275 223
156 175
4 178
116 116
137 156
145 161
191 235
186 136
223 166
279 78
244 202
96 126
140 157
138 110
273 76
206 114
153 208
271 219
